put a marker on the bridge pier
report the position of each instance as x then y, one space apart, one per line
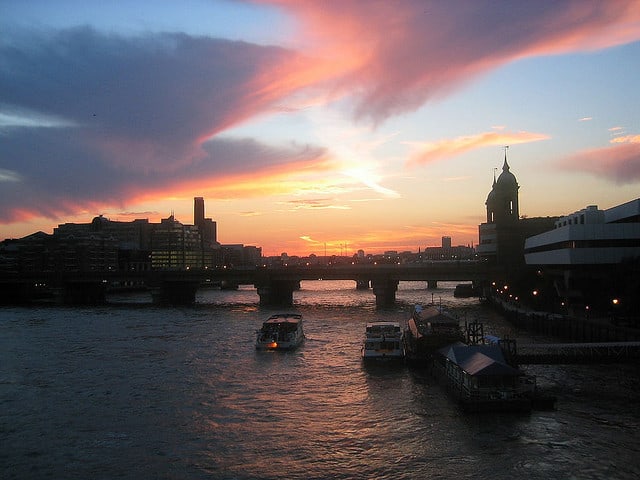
17 293
277 292
385 291
275 285
175 292
84 293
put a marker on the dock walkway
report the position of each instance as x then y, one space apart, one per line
576 353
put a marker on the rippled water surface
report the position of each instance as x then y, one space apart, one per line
136 391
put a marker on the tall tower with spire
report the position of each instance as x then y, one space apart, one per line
502 201
502 236
500 241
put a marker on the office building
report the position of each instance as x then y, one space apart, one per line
592 259
206 226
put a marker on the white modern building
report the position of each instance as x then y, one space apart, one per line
589 237
593 259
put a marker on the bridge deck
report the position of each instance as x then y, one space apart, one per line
445 271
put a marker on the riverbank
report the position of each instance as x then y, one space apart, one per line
569 328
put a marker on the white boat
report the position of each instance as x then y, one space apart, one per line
281 331
383 341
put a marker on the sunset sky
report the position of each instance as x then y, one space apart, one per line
311 124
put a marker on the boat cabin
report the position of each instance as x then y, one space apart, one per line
480 372
383 329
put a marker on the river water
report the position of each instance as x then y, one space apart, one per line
133 391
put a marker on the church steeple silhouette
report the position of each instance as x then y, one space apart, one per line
502 201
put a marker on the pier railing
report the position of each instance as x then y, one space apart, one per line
572 353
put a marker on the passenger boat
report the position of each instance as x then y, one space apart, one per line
429 329
383 341
281 331
465 290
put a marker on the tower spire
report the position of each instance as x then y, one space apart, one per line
505 167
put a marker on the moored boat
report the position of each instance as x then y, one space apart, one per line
465 290
481 380
281 331
429 329
383 341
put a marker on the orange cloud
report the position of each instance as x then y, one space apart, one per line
627 139
284 179
377 240
431 151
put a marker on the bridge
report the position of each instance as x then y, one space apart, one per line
274 285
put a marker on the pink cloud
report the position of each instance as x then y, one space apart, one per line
620 163
394 56
428 152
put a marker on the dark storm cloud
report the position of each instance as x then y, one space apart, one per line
165 87
58 171
133 113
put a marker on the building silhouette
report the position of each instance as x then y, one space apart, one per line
198 211
503 235
581 263
447 252
207 227
104 244
175 246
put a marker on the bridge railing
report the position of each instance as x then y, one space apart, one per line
445 271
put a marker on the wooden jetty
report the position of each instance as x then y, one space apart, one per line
575 353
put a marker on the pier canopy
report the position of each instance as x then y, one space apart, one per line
479 360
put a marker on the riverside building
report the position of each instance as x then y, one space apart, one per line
104 244
592 257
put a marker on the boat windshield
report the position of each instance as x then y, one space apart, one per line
383 330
